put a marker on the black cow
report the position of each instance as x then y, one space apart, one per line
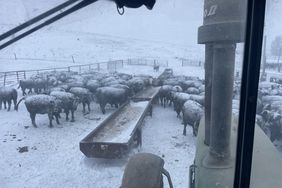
42 104
26 84
179 99
84 95
7 95
192 113
110 95
68 102
164 94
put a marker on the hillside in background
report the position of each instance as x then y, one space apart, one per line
98 32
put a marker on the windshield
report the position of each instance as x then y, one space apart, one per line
82 96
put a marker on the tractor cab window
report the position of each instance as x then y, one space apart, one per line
123 93
267 144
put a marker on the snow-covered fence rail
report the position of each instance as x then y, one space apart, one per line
9 78
189 62
147 62
13 77
112 66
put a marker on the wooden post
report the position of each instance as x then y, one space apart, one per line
24 75
17 76
72 59
263 75
278 61
5 74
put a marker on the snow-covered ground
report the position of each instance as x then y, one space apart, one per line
54 159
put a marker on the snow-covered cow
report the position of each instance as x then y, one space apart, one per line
42 104
110 95
84 95
192 114
67 101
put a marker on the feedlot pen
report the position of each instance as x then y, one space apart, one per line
54 159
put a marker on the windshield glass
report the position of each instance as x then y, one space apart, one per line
81 96
268 118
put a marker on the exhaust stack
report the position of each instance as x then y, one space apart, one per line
223 27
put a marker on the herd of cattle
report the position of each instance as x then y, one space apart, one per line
269 109
186 93
57 92
187 96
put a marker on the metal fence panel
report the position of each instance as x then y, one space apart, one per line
13 77
189 62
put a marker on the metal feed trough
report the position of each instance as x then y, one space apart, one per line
149 93
119 132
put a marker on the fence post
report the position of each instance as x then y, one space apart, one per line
24 75
5 74
72 59
15 55
17 76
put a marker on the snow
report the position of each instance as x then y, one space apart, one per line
39 99
62 95
120 128
192 107
98 34
79 91
6 90
109 91
147 93
54 159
